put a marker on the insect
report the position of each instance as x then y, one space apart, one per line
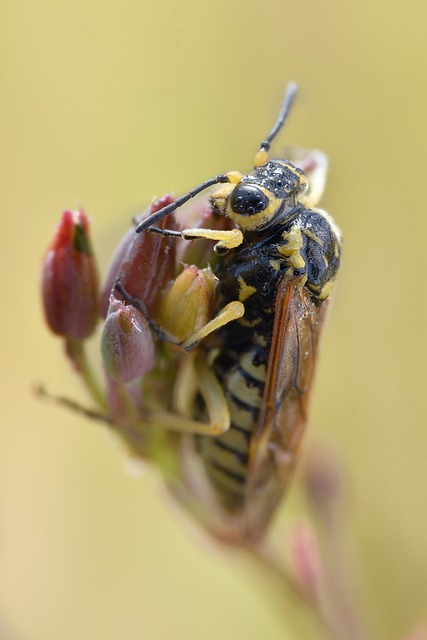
254 360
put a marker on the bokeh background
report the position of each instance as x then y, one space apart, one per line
105 105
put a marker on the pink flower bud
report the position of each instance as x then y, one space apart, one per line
144 263
127 345
305 562
70 280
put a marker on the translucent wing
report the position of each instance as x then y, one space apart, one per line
283 414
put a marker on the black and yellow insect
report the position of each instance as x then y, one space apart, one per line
255 359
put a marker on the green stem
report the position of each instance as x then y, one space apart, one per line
76 351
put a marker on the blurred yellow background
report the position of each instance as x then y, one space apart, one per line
105 105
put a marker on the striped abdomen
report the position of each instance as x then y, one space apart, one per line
226 456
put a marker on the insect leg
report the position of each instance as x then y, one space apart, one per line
213 396
227 239
232 311
210 389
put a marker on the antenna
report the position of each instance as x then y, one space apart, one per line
261 156
158 215
260 159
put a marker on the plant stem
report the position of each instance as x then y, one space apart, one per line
282 591
76 351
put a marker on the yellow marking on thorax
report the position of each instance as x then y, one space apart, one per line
312 236
290 167
294 242
326 289
274 264
291 249
297 172
296 260
245 290
336 249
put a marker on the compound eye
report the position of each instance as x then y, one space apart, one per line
247 200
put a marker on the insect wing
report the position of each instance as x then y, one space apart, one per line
283 414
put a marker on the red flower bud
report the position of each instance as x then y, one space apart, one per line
69 279
144 263
127 345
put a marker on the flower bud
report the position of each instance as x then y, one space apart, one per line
70 280
187 305
323 482
305 561
144 263
127 345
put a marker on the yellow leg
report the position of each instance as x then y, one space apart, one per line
231 311
172 422
209 388
185 387
196 372
225 239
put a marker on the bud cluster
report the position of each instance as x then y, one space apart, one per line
148 293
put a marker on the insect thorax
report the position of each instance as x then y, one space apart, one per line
304 245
